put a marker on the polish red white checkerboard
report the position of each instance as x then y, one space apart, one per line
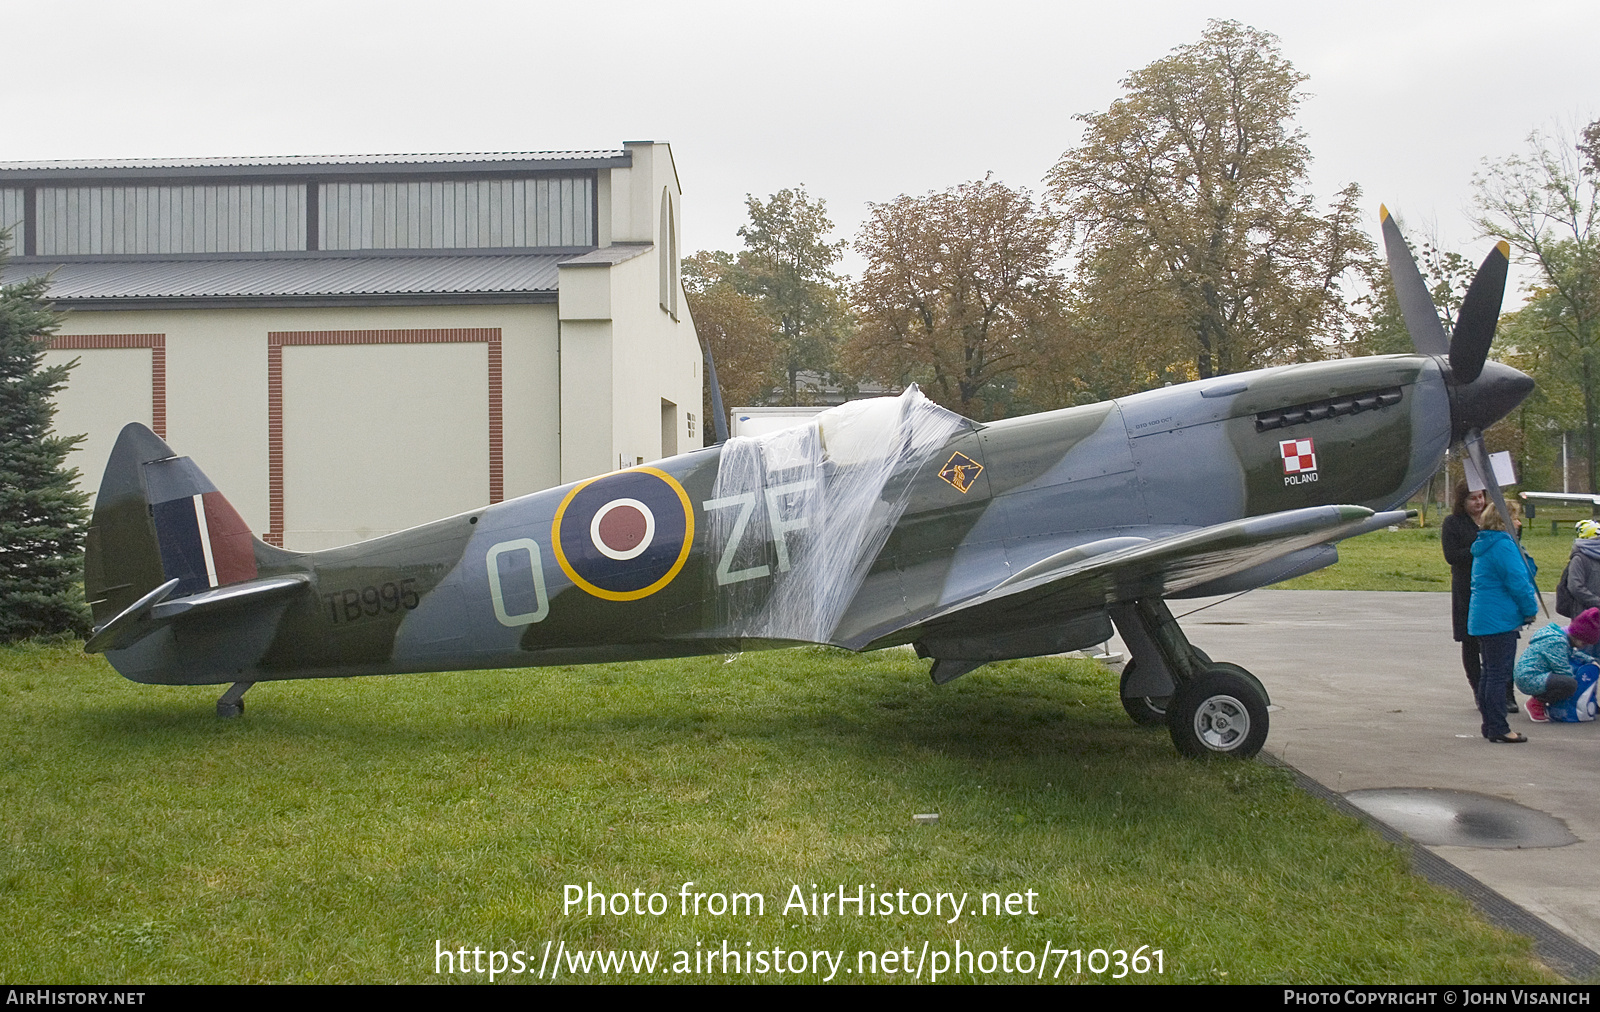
1298 456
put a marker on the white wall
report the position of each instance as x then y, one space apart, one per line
356 421
108 388
616 337
217 395
656 359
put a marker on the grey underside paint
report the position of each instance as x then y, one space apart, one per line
205 649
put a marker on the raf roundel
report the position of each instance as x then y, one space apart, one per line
624 536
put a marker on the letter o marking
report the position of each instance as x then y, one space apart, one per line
497 594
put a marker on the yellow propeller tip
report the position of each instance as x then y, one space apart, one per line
1383 212
1504 248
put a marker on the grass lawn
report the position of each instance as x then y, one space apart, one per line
1411 559
347 830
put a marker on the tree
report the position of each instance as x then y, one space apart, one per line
1187 195
736 330
1128 333
1546 203
1554 408
42 513
961 294
1383 330
787 265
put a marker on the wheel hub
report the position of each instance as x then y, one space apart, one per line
1222 722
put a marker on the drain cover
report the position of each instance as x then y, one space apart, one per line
1461 818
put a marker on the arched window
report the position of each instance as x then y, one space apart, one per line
667 254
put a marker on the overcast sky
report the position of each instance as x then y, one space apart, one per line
860 101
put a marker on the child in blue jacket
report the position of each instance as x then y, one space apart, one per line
1504 599
1544 671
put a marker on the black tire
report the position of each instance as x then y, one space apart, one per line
1219 713
1242 673
1149 711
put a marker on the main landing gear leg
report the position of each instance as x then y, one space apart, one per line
232 702
1209 707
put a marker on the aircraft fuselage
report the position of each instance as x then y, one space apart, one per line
662 560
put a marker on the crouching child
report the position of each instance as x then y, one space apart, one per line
1544 671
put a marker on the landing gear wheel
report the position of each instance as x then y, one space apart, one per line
1219 713
1150 711
1242 673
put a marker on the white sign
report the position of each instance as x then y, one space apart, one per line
1503 474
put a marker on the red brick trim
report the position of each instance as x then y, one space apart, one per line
278 340
497 455
157 343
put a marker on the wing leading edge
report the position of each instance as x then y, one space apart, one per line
1129 568
1572 497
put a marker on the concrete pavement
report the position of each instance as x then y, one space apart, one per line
1369 693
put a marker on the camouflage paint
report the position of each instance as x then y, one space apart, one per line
488 588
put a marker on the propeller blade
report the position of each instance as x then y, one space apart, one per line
1473 444
1480 311
719 416
1422 318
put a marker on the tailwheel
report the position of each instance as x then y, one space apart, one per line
1222 711
1150 711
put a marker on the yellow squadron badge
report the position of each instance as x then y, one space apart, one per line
961 471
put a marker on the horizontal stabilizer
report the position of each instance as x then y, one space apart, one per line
131 624
227 597
153 611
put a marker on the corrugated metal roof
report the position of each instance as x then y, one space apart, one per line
83 283
609 256
252 161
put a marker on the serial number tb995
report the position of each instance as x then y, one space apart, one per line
369 602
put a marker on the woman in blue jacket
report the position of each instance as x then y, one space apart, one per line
1504 600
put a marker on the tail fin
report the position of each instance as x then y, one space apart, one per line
159 518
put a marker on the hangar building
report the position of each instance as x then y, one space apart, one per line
349 346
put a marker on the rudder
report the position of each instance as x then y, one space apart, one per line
159 518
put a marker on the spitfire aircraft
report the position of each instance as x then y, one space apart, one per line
878 523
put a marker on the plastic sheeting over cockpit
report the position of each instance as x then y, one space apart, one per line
829 492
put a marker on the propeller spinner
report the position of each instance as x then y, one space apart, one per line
1481 392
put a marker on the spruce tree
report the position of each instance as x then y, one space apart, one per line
43 515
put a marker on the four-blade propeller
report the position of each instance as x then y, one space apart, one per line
1480 392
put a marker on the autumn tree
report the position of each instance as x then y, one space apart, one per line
787 265
1127 333
961 294
735 329
1545 203
1187 198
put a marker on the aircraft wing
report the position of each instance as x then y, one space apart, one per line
1128 568
1580 497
